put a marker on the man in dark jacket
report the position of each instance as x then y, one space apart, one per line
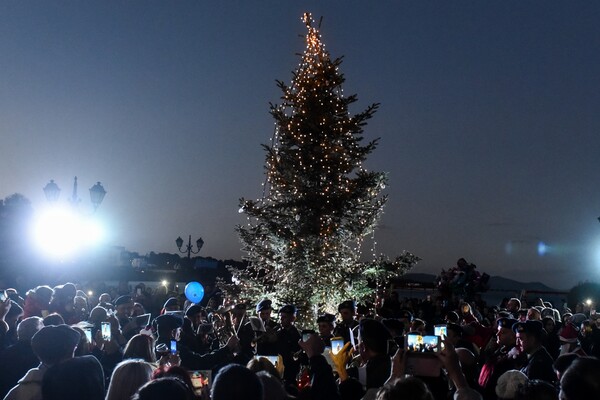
529 340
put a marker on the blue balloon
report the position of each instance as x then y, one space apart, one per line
194 291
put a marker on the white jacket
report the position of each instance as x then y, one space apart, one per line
29 387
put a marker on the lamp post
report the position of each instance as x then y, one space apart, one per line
97 193
189 248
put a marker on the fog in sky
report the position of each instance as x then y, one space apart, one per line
489 119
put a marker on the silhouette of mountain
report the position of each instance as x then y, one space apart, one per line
496 282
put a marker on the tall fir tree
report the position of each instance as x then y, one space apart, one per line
303 238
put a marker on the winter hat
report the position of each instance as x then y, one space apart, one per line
509 383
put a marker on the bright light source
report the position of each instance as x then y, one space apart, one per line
542 248
61 232
90 293
588 302
165 283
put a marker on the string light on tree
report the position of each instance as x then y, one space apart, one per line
303 237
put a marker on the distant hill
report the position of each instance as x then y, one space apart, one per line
496 282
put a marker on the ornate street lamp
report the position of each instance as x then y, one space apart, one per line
97 193
189 247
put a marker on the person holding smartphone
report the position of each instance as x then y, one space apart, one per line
373 349
168 327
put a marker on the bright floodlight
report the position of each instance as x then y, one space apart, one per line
165 283
62 232
588 302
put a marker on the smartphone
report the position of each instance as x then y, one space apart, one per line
422 344
173 346
337 343
273 359
440 330
106 332
88 334
306 334
3 296
201 380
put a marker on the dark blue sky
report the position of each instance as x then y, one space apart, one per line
489 119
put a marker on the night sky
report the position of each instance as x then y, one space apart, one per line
489 119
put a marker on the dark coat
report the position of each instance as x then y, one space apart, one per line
539 366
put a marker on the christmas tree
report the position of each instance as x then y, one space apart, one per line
303 238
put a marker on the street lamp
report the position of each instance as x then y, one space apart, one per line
97 193
189 247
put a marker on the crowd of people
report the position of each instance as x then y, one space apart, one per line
132 343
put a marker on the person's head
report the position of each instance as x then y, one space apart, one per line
418 326
43 294
140 346
195 314
123 306
509 383
234 382
164 388
29 327
549 324
326 324
529 335
581 380
347 310
454 333
75 378
174 371
373 338
127 377
54 319
172 304
405 388
138 309
534 314
287 315
262 364
53 344
452 318
169 326
264 309
104 298
563 362
513 305
80 303
272 387
98 315
505 336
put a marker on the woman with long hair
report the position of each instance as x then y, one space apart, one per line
127 378
140 346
